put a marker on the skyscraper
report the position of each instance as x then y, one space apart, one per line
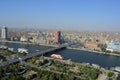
4 33
57 35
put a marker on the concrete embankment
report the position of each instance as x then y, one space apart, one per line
28 43
15 42
113 54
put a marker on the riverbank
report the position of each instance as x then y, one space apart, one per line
28 43
112 54
15 42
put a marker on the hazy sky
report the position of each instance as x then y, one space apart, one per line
61 14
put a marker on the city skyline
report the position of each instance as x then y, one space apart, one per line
59 40
94 15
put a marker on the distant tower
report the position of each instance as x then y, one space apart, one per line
57 36
4 33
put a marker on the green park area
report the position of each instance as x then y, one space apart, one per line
46 68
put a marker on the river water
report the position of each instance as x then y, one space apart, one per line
75 55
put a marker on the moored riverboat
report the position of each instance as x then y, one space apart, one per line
56 56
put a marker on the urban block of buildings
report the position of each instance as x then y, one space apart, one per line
89 40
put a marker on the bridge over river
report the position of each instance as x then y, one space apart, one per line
12 61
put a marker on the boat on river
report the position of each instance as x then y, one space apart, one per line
56 56
22 50
95 65
117 68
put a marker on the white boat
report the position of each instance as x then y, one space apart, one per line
3 47
11 49
117 68
95 65
86 63
22 50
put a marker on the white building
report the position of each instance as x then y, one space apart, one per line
4 32
23 39
113 46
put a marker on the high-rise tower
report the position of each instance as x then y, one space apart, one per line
57 35
4 33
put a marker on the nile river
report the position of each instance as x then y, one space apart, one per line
74 55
